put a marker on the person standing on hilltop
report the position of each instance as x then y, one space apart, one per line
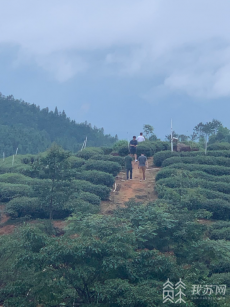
133 147
129 166
140 138
142 165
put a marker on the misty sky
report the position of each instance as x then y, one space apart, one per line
120 64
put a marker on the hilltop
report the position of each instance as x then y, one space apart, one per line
32 130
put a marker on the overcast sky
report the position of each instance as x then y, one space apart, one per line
120 64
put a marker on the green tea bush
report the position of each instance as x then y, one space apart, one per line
209 194
219 146
9 191
159 157
119 144
219 207
83 207
87 153
145 148
96 177
123 151
209 169
169 172
100 190
90 198
107 150
221 161
160 146
15 178
117 159
220 234
104 166
75 162
21 206
177 182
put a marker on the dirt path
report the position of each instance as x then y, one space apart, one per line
128 189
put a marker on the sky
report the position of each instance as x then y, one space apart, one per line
120 64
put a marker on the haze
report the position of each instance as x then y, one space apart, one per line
119 64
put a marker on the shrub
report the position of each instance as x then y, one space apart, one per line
159 157
178 182
96 177
87 153
209 169
117 159
107 150
104 166
100 190
79 205
15 178
90 198
219 146
21 206
9 191
119 144
168 172
220 234
123 151
221 161
145 148
161 146
75 162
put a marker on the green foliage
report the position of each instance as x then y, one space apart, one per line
120 260
210 169
96 177
119 144
219 146
104 166
90 198
75 162
100 190
159 157
16 178
9 191
221 161
117 159
145 148
107 150
24 206
31 130
88 152
123 150
169 171
160 146
190 182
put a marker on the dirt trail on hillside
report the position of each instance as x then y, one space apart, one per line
132 189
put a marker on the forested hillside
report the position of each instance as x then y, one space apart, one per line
32 130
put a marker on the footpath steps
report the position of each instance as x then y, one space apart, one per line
132 189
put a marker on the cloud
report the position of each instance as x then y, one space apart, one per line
185 44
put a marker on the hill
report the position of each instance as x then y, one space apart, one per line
32 130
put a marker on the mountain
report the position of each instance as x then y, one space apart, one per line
30 129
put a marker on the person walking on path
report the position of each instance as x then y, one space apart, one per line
142 163
129 166
133 147
140 138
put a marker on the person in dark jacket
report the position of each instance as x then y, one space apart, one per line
133 147
129 166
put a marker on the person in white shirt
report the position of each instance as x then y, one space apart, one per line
140 138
